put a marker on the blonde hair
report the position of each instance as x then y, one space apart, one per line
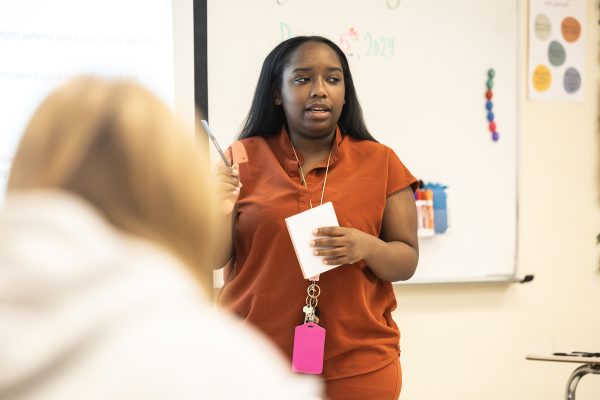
116 145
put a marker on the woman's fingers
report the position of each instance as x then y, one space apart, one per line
229 185
338 255
330 252
229 180
330 231
337 245
328 242
338 260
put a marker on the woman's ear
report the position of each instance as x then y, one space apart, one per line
277 98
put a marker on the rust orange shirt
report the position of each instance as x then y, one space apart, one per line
264 283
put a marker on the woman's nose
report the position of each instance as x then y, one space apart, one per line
318 89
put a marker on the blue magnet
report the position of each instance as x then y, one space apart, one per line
489 105
490 116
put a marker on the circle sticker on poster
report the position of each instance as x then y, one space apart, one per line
542 27
572 80
571 29
541 78
556 53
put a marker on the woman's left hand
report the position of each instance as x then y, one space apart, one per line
341 245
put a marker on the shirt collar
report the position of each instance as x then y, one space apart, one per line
283 146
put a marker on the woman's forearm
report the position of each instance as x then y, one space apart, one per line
391 261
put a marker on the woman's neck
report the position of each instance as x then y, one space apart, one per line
312 146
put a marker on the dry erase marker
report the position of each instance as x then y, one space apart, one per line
214 140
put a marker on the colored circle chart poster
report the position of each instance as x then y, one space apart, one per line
556 50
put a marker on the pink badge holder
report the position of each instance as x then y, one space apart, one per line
309 347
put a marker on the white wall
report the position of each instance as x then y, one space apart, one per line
469 341
183 51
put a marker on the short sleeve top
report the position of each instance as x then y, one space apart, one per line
264 283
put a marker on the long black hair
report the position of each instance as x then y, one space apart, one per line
266 119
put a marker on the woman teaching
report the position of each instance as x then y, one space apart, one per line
304 142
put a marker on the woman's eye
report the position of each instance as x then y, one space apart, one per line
334 79
301 79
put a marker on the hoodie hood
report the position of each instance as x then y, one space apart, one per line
58 260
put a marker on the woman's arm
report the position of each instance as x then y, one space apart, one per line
228 191
393 256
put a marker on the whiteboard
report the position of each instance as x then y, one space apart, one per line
420 69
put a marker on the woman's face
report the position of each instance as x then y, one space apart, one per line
312 90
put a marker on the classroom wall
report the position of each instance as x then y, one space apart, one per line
183 60
469 341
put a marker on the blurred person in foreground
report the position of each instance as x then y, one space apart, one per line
105 244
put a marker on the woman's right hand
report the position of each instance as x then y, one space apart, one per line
229 186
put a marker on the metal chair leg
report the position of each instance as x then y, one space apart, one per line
577 375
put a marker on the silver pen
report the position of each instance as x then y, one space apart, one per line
214 140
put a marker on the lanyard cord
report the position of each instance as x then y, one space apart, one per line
304 179
313 289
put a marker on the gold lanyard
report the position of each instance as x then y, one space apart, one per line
310 309
304 179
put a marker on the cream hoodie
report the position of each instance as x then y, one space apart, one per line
87 312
